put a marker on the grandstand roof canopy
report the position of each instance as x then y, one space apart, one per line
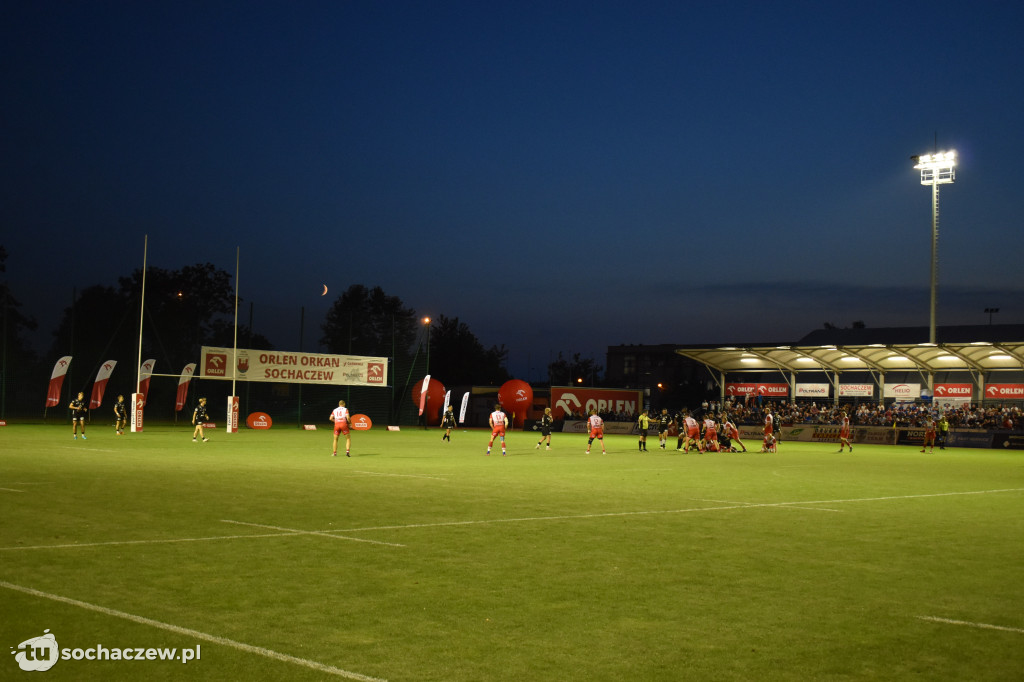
875 350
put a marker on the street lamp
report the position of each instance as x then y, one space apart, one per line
936 169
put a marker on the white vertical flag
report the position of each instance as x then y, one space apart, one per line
423 394
462 411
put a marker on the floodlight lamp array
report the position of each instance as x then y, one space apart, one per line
937 168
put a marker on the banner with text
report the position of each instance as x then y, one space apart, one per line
812 390
1013 391
293 367
901 391
579 401
856 390
733 389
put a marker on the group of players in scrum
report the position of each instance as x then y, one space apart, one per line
712 433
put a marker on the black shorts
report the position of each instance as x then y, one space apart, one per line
545 431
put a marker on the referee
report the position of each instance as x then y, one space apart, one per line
643 422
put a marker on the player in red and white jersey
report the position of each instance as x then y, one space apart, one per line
692 430
929 433
498 422
596 425
769 428
733 433
341 420
710 435
844 431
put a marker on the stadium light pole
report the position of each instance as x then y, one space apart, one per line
936 169
991 311
426 321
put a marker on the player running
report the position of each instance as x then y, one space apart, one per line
768 444
78 410
596 425
498 422
341 419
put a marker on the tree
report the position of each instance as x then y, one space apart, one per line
458 358
369 322
12 321
564 372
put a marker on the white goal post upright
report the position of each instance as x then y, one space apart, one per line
231 423
138 400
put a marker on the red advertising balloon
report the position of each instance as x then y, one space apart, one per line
515 397
360 422
435 399
259 421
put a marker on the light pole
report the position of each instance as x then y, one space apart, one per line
426 321
936 169
990 312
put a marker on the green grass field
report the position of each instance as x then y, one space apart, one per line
422 560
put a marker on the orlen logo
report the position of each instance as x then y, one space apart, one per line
259 421
375 373
1005 390
360 422
569 403
216 363
948 390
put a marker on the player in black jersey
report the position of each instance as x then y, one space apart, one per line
664 420
545 428
448 423
78 410
199 418
120 416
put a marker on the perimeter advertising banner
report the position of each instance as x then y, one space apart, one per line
293 367
856 390
901 391
734 389
579 401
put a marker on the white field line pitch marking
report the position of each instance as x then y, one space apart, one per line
241 646
568 517
377 473
12 490
783 506
148 542
294 531
984 626
75 447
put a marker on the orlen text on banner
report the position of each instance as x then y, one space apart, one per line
293 367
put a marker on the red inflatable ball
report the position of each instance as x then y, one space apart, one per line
515 397
435 399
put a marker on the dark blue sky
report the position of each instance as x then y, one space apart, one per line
560 176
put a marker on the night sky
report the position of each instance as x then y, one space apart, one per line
560 176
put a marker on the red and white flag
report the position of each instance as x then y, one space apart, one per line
145 372
447 401
423 394
57 380
462 411
186 376
100 385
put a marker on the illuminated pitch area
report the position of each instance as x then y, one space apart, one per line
418 559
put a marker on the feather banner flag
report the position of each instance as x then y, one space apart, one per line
423 394
462 411
57 380
145 372
99 386
447 401
186 376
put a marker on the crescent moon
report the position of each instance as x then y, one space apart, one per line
325 291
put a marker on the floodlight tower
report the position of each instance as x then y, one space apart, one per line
936 169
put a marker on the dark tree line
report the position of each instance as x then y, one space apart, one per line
193 306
